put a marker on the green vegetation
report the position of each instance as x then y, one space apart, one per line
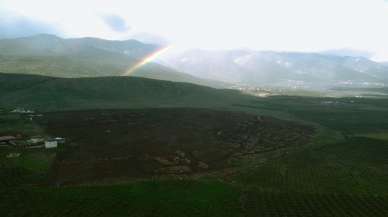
53 94
167 198
341 171
36 160
355 166
377 135
184 198
346 115
11 123
31 167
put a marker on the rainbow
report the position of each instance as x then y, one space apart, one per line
146 60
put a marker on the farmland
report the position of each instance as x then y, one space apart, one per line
329 176
186 198
147 142
230 155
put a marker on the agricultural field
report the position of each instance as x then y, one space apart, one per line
355 166
13 123
147 142
186 198
377 135
32 167
230 156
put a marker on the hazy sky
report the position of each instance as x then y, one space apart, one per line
297 25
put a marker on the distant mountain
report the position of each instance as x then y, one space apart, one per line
348 53
52 94
45 45
149 38
84 57
311 70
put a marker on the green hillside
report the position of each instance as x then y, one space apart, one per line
49 45
49 93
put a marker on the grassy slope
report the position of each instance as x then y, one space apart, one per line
347 115
47 93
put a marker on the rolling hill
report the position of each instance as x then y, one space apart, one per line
51 93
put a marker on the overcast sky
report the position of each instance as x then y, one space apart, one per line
283 25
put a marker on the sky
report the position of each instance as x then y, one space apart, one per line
280 25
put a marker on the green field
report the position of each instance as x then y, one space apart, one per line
184 198
31 168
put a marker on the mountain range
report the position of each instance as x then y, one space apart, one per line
50 55
85 57
284 69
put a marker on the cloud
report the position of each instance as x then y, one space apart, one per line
116 23
19 26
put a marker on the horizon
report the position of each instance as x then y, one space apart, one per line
341 52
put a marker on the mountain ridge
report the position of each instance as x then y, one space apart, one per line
85 57
290 69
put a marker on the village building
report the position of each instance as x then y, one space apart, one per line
22 111
51 144
8 140
36 140
13 155
59 140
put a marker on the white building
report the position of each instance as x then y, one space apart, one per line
50 144
36 140
13 155
59 140
22 111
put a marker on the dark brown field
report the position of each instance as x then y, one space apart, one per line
149 142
